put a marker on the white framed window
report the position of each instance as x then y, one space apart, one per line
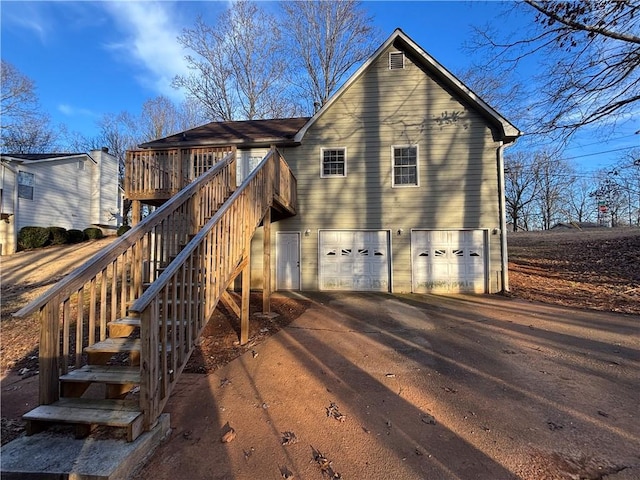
333 162
26 183
405 165
396 60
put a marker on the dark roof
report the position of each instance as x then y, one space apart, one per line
248 132
39 156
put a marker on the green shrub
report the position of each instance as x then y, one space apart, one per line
92 233
75 236
33 237
58 235
123 229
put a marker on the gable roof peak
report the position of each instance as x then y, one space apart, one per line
507 131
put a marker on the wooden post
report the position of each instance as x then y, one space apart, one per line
49 354
246 271
246 295
266 265
232 170
136 212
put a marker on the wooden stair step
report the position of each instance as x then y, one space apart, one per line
123 327
104 374
178 284
88 412
191 270
135 322
128 321
115 345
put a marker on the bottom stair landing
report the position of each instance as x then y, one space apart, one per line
52 454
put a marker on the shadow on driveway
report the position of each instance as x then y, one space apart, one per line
460 387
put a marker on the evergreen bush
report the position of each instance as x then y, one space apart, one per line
75 236
33 237
93 233
123 229
58 235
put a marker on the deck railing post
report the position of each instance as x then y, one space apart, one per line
49 353
266 265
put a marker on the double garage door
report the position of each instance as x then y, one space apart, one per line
442 261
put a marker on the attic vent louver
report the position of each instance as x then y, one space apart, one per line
396 60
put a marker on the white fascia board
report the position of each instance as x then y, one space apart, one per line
80 156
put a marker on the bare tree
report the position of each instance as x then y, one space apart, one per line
19 99
32 136
579 204
590 53
555 176
25 128
624 180
118 133
521 188
159 118
238 67
328 39
192 114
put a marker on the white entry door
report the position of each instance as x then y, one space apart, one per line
448 261
354 260
288 261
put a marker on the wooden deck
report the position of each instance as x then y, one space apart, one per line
154 176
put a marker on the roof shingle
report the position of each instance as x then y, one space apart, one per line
247 132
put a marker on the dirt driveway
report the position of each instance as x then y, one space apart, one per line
365 386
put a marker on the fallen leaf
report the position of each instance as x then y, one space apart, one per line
228 436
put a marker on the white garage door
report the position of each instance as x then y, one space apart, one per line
354 260
448 261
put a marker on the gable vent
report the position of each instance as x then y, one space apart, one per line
396 60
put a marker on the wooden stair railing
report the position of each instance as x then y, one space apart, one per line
200 274
156 330
77 312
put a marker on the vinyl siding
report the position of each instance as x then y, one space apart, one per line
457 167
61 195
106 208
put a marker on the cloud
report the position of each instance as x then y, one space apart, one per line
150 44
72 111
33 17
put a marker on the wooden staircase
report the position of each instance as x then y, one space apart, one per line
117 332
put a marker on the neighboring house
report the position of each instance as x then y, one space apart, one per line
575 225
399 181
69 190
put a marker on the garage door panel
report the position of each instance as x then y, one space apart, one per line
354 260
448 261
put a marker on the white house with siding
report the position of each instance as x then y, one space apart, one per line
400 182
69 190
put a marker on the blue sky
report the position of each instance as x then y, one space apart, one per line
92 58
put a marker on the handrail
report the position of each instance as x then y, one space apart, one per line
154 289
76 278
75 312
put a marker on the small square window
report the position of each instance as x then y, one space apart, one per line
405 165
334 162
